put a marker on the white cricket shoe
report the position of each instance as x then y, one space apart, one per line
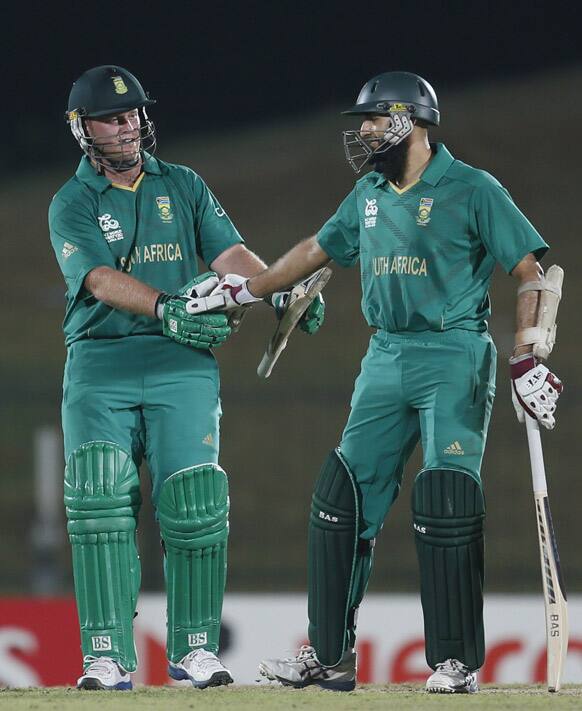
103 673
452 677
202 668
305 669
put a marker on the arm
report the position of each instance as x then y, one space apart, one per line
527 270
238 260
535 390
121 291
299 262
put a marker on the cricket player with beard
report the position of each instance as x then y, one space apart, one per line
428 231
141 381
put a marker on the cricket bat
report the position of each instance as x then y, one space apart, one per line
299 300
555 601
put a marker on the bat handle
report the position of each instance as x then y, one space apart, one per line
536 455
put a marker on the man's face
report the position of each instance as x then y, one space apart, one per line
392 161
117 137
374 127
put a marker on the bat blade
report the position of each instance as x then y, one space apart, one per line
555 599
300 298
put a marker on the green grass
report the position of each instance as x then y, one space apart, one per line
279 699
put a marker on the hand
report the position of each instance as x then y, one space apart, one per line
534 390
181 320
311 320
233 288
201 285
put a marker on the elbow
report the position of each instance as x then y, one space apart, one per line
95 280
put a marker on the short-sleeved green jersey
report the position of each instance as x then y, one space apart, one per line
427 253
154 231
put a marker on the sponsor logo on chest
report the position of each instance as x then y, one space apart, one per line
110 228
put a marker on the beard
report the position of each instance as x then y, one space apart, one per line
392 162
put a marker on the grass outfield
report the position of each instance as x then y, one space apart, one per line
279 699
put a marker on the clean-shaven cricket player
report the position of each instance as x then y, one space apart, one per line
141 381
428 231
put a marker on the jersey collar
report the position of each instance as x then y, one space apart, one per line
87 174
438 166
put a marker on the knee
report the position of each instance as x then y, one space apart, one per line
193 507
336 500
101 489
447 504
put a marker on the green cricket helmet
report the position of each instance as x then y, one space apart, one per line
406 98
106 91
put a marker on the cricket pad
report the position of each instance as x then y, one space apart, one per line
339 562
193 514
102 500
448 513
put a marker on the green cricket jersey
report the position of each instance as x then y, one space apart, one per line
427 253
154 231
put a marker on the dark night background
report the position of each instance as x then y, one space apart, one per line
220 65
249 95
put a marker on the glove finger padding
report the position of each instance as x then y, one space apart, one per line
536 389
518 408
202 331
313 318
201 285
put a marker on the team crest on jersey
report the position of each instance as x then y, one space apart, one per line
164 208
424 208
370 213
120 85
110 228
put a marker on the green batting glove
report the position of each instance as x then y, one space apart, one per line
311 320
180 323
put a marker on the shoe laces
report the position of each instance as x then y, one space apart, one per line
305 653
101 665
452 665
204 659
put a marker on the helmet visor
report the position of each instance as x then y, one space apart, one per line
361 146
120 152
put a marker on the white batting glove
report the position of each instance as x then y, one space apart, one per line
534 390
203 288
235 291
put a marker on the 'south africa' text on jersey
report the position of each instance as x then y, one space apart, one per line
169 252
415 266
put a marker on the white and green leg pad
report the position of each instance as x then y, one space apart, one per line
102 500
193 514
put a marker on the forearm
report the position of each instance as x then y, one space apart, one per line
526 317
121 291
301 261
238 260
528 270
